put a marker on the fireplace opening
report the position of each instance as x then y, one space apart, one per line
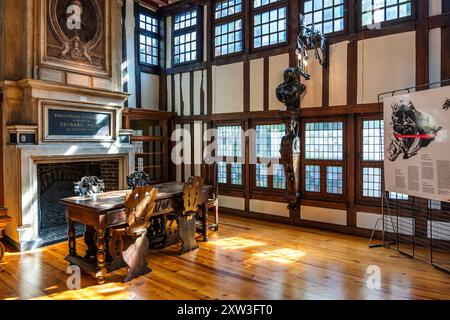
55 182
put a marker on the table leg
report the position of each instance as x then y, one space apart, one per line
71 237
205 223
2 252
101 256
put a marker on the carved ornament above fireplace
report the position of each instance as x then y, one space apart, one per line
76 35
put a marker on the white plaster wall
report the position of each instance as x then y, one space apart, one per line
385 64
277 66
177 79
169 89
197 91
366 220
178 167
324 215
273 208
197 157
338 74
257 85
435 55
439 230
187 151
434 7
128 76
186 80
149 91
231 202
313 96
228 85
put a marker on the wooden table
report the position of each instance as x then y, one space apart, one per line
107 210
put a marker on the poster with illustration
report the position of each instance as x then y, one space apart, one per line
417 144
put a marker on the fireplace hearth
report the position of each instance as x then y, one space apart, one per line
56 181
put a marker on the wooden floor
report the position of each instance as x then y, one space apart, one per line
246 259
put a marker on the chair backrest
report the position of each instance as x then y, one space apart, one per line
140 204
88 186
192 193
138 179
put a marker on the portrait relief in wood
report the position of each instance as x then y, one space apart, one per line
76 34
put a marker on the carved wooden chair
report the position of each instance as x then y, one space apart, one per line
89 186
203 218
129 242
192 193
138 179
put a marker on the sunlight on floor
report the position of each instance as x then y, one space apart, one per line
284 256
110 291
234 243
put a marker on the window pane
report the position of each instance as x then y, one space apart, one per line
376 11
312 178
222 172
185 20
229 141
372 182
324 141
228 38
185 48
373 140
324 15
334 180
262 175
269 28
279 178
236 173
227 8
148 40
398 196
261 3
268 140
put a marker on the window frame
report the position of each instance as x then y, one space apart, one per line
346 19
229 185
146 67
270 189
198 28
384 24
361 163
323 195
223 20
267 8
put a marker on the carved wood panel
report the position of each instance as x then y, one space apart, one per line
77 35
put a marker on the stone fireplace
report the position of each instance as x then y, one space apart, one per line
61 114
56 181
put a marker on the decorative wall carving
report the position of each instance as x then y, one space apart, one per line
77 34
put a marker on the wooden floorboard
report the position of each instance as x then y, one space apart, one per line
245 259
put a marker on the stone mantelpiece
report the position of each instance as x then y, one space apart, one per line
21 189
38 72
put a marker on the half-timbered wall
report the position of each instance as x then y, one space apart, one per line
241 89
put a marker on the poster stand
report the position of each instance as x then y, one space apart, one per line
413 226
